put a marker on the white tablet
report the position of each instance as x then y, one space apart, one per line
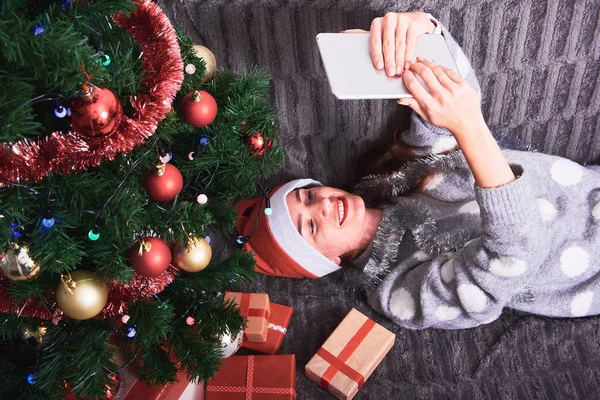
347 61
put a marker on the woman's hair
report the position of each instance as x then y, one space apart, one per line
387 159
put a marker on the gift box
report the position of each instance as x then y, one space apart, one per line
183 389
350 355
254 378
277 328
255 307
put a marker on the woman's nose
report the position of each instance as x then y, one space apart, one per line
326 207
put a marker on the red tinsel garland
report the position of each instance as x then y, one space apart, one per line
64 153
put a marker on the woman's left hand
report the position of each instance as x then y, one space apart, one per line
394 38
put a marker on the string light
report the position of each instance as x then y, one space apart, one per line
190 320
31 379
131 332
93 236
204 141
207 238
48 222
268 211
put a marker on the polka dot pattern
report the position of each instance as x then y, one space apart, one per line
469 208
471 297
447 271
402 304
445 313
566 172
596 212
444 143
507 266
434 182
547 210
574 261
581 303
421 256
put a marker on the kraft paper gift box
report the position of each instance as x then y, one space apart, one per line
254 378
350 355
255 307
278 323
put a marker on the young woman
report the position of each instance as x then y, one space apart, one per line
462 230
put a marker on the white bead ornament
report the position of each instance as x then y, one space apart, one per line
202 199
190 68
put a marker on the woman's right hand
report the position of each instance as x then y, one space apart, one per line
451 102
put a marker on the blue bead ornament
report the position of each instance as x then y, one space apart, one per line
48 222
204 141
240 240
31 379
131 332
268 211
65 3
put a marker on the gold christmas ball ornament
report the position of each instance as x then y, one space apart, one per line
17 265
194 257
81 295
209 59
229 344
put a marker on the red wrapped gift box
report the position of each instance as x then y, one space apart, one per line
278 323
254 378
173 391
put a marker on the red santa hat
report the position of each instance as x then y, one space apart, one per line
277 246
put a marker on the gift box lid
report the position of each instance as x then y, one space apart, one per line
350 355
279 320
266 377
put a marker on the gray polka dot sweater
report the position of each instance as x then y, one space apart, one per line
454 255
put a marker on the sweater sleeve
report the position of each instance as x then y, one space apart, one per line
470 286
424 138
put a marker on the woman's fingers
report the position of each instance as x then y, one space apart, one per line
400 46
354 31
456 78
414 105
389 44
411 44
428 76
438 71
414 87
375 43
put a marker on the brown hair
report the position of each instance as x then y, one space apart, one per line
387 159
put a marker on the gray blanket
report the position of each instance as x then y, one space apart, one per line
538 64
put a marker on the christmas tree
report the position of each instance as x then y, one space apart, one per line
121 151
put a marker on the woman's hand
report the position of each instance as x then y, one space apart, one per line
394 37
451 102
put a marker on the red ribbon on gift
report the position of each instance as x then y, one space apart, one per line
249 389
246 311
338 364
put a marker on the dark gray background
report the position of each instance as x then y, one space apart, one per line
538 63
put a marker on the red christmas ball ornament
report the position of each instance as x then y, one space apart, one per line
96 112
150 257
163 182
199 108
258 143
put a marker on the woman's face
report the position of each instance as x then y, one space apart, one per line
329 219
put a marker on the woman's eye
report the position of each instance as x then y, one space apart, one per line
312 227
310 197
